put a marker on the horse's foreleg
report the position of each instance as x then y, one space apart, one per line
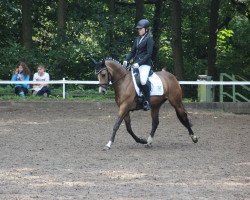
130 131
123 110
115 128
155 123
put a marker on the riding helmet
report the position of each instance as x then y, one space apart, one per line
143 23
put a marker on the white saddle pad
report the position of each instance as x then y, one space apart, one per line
156 85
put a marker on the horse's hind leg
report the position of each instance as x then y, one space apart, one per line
130 131
155 123
182 116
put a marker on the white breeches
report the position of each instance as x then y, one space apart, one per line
144 71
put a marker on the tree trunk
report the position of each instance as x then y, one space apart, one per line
110 32
213 27
176 38
156 30
26 24
139 10
61 13
61 36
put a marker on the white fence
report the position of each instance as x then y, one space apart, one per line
65 82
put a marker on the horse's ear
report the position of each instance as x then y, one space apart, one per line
93 60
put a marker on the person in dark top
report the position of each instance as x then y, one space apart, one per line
141 53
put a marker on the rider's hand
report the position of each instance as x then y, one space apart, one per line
135 65
125 63
19 77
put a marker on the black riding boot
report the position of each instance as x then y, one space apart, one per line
146 93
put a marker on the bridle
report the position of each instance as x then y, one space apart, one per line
105 85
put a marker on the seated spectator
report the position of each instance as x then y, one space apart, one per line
41 75
22 73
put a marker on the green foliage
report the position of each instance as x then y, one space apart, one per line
89 32
223 44
233 48
195 23
12 54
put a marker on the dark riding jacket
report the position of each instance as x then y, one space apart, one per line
142 51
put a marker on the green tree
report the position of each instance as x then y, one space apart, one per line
65 34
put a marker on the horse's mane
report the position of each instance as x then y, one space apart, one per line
101 64
112 59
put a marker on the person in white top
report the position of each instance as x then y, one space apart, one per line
41 75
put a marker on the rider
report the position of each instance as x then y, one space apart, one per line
141 53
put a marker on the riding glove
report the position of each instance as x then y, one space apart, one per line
125 63
135 65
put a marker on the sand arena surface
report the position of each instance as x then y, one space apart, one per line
53 150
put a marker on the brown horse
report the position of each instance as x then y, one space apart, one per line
127 100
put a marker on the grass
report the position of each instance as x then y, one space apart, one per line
72 93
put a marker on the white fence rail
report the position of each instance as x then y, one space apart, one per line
65 82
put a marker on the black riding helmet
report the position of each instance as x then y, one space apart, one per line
143 23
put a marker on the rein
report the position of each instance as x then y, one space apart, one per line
119 78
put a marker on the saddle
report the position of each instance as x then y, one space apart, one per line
154 83
136 74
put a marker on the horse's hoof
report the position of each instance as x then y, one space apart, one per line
143 141
148 145
195 139
106 148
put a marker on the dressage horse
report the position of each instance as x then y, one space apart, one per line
127 100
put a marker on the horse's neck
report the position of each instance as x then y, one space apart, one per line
120 77
123 87
116 72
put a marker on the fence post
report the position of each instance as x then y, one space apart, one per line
63 88
234 97
221 88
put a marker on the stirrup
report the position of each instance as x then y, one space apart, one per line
146 105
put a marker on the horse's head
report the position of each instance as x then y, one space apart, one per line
102 75
109 70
